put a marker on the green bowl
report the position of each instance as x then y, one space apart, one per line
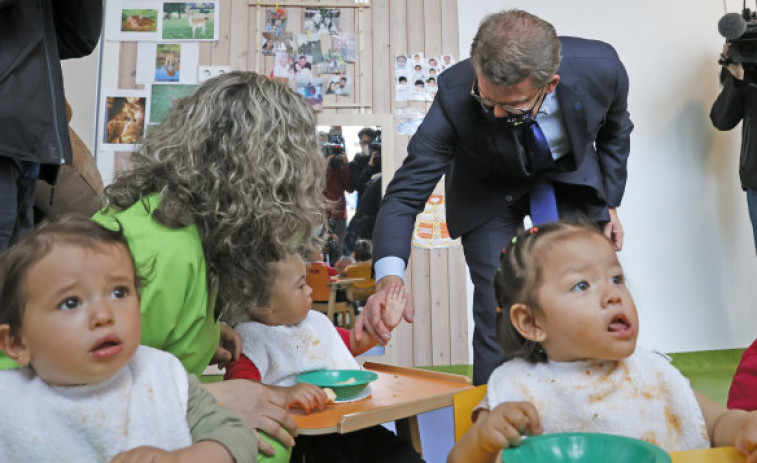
336 380
585 448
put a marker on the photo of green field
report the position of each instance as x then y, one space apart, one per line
187 21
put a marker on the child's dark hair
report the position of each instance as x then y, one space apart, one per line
363 250
519 278
17 260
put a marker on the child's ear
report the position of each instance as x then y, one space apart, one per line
523 319
13 346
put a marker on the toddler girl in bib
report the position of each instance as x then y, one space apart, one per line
569 324
86 390
287 338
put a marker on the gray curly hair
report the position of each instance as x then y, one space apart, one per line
240 159
512 45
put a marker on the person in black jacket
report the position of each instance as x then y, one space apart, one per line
736 102
34 141
363 165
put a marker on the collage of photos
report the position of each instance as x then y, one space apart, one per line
167 35
415 75
313 63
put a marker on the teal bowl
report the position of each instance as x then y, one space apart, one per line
345 383
571 447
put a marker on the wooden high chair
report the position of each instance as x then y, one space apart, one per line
360 290
324 296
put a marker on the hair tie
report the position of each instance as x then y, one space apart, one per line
533 230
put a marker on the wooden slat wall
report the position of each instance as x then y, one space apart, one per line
436 277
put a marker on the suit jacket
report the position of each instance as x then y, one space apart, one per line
484 163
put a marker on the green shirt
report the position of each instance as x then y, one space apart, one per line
177 315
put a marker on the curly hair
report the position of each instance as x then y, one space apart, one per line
512 45
240 159
519 278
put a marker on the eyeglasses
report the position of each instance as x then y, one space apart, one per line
488 105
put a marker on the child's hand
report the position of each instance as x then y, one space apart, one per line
229 347
502 427
205 451
307 396
145 455
745 441
393 306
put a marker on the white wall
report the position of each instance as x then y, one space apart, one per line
689 253
80 83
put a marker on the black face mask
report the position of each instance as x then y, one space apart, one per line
509 121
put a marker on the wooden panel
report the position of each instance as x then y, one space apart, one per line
440 307
219 55
127 66
458 306
422 330
238 35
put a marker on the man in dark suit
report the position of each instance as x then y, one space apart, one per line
474 133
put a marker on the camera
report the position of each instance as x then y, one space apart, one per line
375 143
740 30
334 145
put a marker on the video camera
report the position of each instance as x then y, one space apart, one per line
740 30
334 146
375 143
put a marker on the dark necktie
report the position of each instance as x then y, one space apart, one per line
542 195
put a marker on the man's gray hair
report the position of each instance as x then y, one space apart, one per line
512 45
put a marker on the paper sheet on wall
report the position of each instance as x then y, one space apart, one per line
161 21
431 226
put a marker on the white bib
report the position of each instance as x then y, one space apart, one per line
642 396
143 404
282 352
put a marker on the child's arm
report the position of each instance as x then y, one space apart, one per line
391 313
307 396
730 427
496 430
205 451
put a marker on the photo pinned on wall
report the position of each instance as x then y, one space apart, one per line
416 58
208 72
167 62
418 72
446 61
344 45
276 20
190 21
343 86
401 63
311 46
431 87
332 63
164 97
139 20
303 68
319 21
418 92
123 118
312 91
402 86
133 21
283 70
274 43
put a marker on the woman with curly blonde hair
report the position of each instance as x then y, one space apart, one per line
229 181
